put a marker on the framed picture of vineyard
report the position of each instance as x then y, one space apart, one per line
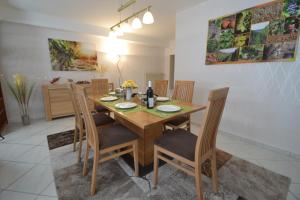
72 56
264 33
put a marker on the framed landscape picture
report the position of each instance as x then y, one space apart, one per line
264 33
72 56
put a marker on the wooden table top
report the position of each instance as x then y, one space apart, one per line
144 119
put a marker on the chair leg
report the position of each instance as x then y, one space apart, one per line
80 145
188 126
198 182
86 157
155 167
214 172
189 123
94 173
136 158
75 138
164 128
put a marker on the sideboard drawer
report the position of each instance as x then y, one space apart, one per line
59 95
59 109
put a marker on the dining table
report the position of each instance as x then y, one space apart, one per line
146 123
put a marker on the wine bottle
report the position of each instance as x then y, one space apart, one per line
150 96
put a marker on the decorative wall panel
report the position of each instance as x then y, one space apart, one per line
265 33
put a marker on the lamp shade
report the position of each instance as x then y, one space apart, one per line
136 23
126 28
112 34
119 31
148 18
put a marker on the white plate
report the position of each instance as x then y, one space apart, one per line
161 99
112 93
110 98
125 105
168 108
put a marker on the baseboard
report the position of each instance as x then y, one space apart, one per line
262 145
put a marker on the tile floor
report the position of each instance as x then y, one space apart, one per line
25 169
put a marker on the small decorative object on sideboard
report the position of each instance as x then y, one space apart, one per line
129 85
22 94
83 82
55 80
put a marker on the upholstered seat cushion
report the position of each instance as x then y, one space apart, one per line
180 142
178 121
102 119
115 135
100 109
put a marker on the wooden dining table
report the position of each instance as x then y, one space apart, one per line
147 123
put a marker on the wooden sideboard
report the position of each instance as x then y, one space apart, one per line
57 100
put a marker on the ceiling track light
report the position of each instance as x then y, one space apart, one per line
119 31
136 23
148 17
126 28
112 34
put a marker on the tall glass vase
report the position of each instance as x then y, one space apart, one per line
128 94
25 119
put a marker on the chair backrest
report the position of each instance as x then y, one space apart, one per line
100 86
184 91
75 103
209 127
90 127
161 88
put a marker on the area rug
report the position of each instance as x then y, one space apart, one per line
67 137
60 139
239 180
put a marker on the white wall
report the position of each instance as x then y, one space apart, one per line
24 49
264 98
170 50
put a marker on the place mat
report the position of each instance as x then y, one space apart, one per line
161 114
154 111
111 104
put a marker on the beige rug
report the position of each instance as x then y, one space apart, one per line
239 180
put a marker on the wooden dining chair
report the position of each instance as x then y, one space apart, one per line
161 87
183 91
100 87
107 143
191 150
100 119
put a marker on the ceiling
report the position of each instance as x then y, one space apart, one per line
103 13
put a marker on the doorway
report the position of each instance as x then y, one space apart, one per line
171 72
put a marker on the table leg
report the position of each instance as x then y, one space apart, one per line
150 135
145 141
